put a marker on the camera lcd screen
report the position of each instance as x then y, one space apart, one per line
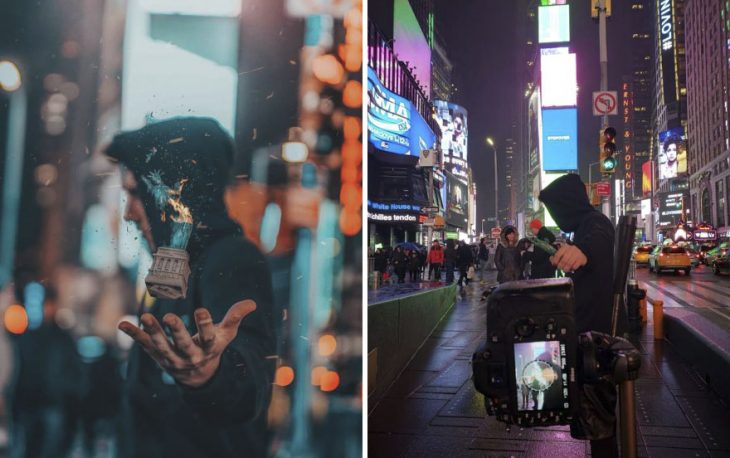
541 376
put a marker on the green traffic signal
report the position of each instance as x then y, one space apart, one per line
609 164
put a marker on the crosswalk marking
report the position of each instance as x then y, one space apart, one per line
677 297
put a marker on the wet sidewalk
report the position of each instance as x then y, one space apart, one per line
433 410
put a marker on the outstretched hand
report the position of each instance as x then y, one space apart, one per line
190 360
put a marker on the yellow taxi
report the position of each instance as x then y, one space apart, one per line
641 254
669 257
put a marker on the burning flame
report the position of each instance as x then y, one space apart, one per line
183 213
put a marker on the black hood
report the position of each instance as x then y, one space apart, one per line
567 201
545 234
192 154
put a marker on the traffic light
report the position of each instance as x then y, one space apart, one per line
608 160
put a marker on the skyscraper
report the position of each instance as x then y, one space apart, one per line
707 36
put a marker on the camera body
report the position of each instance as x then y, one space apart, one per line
527 368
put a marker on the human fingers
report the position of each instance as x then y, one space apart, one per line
137 334
159 339
236 314
181 337
206 330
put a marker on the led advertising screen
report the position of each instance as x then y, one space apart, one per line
457 201
554 23
559 84
410 44
452 120
552 2
672 156
559 139
540 380
671 207
646 178
394 125
666 26
546 179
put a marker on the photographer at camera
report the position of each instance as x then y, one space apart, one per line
588 260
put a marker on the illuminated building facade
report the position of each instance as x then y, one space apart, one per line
707 35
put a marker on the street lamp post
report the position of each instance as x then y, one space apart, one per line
483 226
11 82
490 142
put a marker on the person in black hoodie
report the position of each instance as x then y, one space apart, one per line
465 258
541 267
200 373
589 262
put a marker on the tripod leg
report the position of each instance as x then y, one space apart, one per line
627 410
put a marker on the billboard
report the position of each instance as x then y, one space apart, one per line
559 85
671 207
559 139
410 44
452 120
553 24
394 124
457 201
552 2
647 178
672 156
665 26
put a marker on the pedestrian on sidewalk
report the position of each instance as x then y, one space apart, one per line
450 257
435 261
589 262
400 264
539 259
508 258
483 257
465 258
414 265
492 252
381 263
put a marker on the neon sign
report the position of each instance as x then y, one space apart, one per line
665 24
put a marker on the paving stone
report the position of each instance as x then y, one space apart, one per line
454 376
409 382
658 407
403 415
710 418
466 403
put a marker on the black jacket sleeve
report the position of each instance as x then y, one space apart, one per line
241 388
498 261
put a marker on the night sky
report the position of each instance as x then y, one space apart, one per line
485 41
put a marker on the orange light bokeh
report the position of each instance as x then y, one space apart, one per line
328 69
329 381
352 95
16 319
327 345
284 376
317 374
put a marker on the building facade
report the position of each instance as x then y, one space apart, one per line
707 34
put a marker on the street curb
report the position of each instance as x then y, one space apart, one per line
703 344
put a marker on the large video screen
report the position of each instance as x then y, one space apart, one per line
554 23
410 44
646 178
559 86
452 121
546 179
559 139
541 382
394 125
672 157
457 201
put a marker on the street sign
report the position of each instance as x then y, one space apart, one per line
496 232
429 209
429 222
603 189
605 103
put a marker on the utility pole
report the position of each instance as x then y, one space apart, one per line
603 56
